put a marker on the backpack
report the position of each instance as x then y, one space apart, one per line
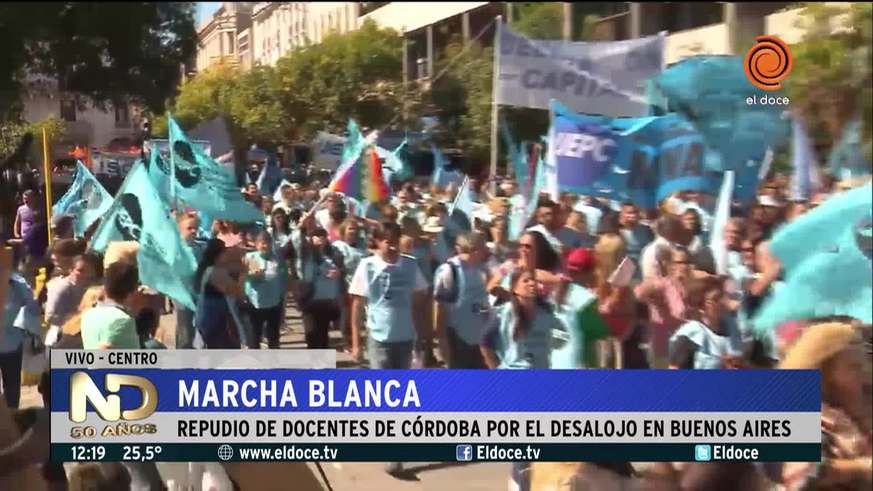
454 294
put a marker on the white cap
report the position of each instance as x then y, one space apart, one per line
433 225
767 200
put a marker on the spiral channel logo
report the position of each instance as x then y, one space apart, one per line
768 63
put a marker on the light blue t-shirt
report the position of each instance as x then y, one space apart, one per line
324 288
424 257
351 258
531 351
21 314
268 290
443 249
711 347
388 289
469 314
569 342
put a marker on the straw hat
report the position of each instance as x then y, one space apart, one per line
433 225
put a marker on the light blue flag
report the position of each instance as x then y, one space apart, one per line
641 160
847 160
393 167
352 148
805 180
270 177
165 262
722 215
516 155
826 256
205 228
86 200
442 177
714 92
200 182
518 218
461 209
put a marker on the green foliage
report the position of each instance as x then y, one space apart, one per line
102 50
354 75
462 97
255 107
13 130
539 20
831 81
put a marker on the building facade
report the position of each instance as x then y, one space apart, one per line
326 17
218 37
119 125
277 28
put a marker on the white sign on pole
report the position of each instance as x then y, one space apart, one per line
327 151
607 78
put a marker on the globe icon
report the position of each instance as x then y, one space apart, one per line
225 452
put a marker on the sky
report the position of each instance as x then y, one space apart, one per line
205 9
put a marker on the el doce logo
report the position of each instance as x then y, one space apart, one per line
768 63
83 389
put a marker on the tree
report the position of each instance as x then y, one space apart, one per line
539 20
103 51
12 131
462 97
831 81
255 107
353 75
200 99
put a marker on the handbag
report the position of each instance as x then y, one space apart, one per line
34 359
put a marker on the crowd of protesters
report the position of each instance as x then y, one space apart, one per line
588 283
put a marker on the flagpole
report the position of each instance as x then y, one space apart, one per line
48 184
552 176
498 29
172 166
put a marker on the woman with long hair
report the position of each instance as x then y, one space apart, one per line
322 272
265 288
216 289
534 254
519 336
353 248
616 301
712 338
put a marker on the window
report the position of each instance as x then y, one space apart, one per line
122 116
68 110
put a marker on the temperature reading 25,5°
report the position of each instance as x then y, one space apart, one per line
142 453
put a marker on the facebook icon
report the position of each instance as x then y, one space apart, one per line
464 453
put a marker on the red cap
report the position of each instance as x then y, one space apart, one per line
580 259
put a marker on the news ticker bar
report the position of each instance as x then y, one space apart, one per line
424 427
433 452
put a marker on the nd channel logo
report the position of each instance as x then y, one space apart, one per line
464 453
83 390
702 453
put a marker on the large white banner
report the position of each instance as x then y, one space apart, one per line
607 78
